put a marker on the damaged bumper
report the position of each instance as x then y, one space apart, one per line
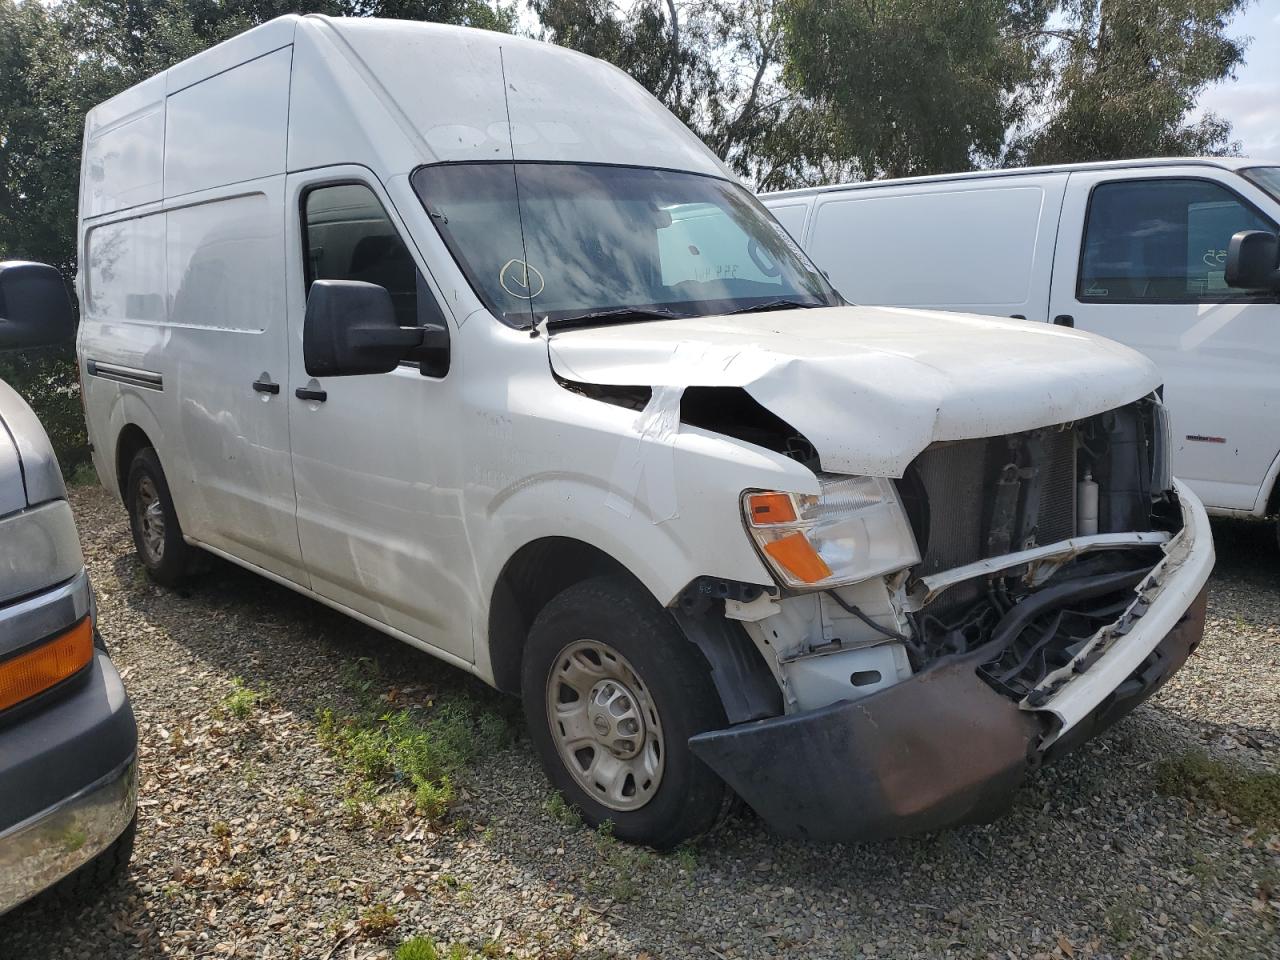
944 748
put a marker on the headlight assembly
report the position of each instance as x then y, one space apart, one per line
854 529
39 548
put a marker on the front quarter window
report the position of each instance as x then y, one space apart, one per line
564 241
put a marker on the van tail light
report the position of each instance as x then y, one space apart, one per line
36 670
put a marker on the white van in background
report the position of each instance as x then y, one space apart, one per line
517 372
1134 250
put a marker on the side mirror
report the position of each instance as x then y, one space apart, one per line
1253 259
350 329
35 310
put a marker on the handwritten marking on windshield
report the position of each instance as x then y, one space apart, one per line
516 276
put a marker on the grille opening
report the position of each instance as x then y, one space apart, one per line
973 499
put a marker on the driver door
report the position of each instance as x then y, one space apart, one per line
379 518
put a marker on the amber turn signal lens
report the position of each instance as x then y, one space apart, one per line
35 671
796 554
767 508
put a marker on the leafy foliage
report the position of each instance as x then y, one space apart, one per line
1126 77
914 86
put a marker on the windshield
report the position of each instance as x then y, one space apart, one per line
1268 178
613 241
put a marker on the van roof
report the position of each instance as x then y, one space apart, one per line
387 94
1224 163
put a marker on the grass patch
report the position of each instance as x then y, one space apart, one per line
560 810
686 857
414 752
1122 919
377 921
1251 795
242 700
420 948
626 868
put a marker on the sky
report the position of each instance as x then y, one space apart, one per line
1252 101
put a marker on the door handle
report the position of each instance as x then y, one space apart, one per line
1064 320
306 393
263 385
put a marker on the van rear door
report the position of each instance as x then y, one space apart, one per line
1140 259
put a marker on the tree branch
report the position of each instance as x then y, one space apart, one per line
674 67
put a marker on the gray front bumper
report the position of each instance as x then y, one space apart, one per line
67 782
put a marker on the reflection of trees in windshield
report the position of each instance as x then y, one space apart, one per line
607 238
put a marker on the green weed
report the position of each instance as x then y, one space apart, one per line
242 700
414 750
420 948
377 921
561 811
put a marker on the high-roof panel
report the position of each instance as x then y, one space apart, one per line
447 82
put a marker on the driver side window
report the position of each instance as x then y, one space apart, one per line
348 236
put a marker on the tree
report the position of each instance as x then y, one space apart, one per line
1128 74
915 86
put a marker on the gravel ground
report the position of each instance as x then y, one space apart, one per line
246 849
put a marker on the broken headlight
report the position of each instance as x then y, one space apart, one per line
854 529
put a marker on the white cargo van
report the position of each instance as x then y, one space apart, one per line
467 336
1139 251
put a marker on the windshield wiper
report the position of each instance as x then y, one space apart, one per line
781 304
604 317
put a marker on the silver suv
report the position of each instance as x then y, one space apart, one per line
68 742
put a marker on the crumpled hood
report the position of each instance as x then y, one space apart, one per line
871 387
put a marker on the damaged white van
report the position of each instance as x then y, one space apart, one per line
466 336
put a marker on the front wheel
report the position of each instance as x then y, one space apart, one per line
612 693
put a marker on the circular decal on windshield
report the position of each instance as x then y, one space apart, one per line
521 280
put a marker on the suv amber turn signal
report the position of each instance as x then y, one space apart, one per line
46 665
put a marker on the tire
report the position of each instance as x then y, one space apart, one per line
157 534
644 690
86 884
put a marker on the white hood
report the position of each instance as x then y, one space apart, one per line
871 387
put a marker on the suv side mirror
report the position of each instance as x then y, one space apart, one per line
350 329
1253 259
35 310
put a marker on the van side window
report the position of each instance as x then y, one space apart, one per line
348 236
1162 241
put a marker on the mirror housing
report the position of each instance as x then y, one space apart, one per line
35 309
1253 261
350 329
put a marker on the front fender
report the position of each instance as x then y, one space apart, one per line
666 531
